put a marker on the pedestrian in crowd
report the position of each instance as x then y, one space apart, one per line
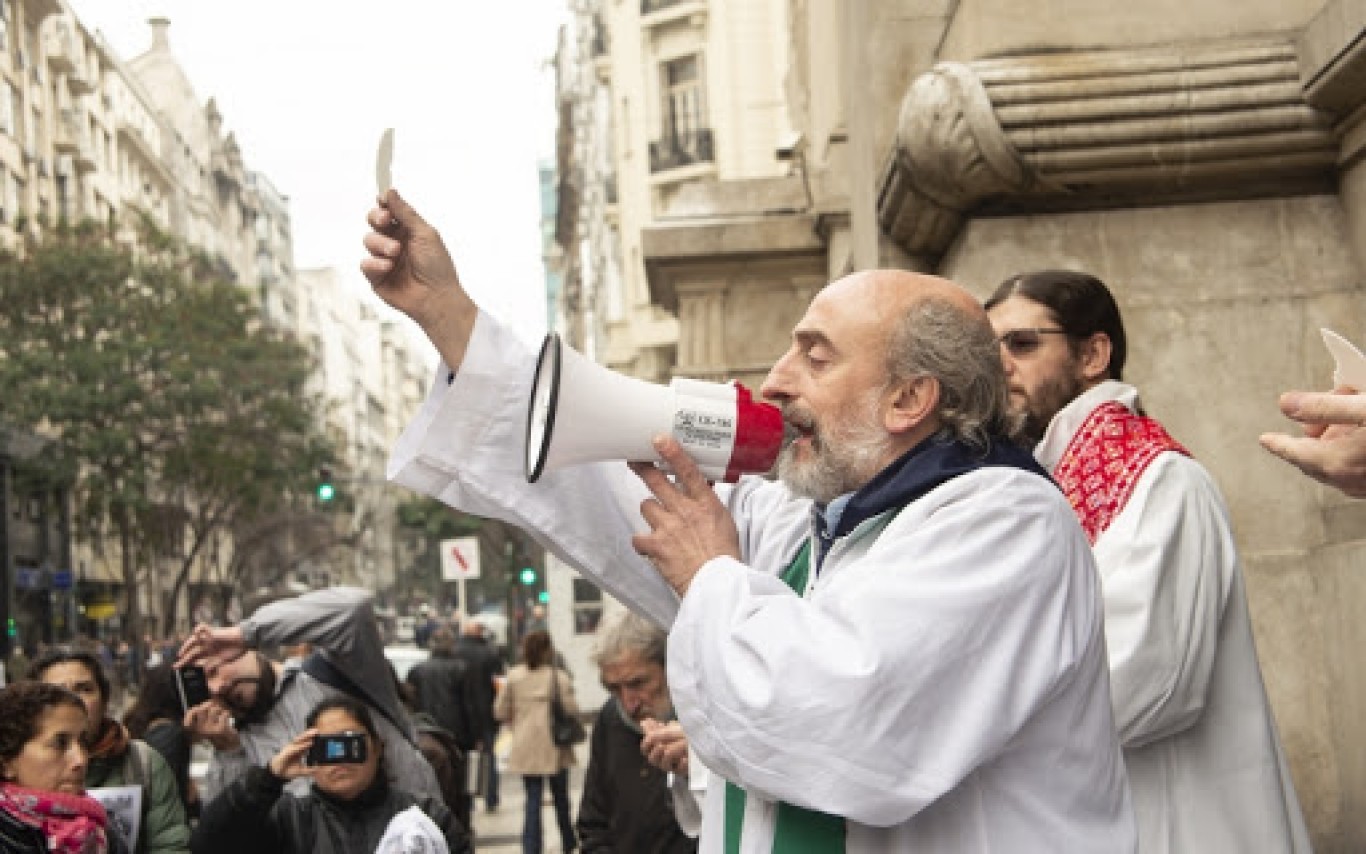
151 655
486 668
630 804
17 664
898 644
426 625
351 806
43 805
442 690
156 718
1333 448
524 705
127 664
1205 764
116 758
257 703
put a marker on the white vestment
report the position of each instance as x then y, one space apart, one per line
1205 763
942 685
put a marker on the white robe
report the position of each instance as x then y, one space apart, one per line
942 686
1205 763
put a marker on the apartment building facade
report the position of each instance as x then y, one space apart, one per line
85 133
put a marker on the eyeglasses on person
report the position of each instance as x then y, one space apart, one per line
1022 342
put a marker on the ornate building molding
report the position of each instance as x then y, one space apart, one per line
1099 129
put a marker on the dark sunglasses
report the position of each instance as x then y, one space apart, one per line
1022 342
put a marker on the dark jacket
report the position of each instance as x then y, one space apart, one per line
626 807
441 688
255 815
484 664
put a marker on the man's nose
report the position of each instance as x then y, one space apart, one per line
775 385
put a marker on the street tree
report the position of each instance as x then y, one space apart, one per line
176 414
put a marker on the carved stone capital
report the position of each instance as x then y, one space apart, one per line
951 153
1096 129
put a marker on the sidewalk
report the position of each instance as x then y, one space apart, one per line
501 832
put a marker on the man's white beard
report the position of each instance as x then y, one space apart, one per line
842 459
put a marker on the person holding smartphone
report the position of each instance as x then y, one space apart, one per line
350 807
256 702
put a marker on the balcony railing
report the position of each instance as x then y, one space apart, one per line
600 44
648 6
681 149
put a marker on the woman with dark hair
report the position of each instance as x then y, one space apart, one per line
155 717
117 759
352 808
43 806
525 704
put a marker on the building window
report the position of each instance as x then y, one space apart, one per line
685 137
7 101
587 607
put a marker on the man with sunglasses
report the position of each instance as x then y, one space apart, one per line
1204 760
896 647
259 705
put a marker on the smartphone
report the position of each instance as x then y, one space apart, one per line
193 684
347 748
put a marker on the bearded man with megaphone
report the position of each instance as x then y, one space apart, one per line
896 646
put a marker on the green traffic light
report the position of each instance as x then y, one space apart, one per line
326 492
528 576
543 597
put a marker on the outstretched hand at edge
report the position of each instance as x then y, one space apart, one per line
1333 449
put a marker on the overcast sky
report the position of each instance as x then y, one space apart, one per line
308 86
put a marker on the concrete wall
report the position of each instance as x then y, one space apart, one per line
1222 304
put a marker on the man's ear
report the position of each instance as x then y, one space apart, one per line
1095 357
914 401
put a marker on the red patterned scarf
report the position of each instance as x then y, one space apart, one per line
71 824
1104 461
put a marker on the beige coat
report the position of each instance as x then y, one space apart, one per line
524 703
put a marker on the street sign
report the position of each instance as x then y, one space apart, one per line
61 579
459 559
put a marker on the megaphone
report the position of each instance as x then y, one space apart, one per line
582 412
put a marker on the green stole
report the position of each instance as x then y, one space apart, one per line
797 830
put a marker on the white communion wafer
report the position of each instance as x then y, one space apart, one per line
384 175
1350 367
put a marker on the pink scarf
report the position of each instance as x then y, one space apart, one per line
71 824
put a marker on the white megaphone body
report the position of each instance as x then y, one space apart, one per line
581 412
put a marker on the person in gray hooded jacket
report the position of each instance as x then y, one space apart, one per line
259 705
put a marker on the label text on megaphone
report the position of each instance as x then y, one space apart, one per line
703 429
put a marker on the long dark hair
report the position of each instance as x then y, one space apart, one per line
1080 303
537 650
157 698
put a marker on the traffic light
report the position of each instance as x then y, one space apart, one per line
326 491
543 597
527 576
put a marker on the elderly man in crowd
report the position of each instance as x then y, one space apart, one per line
629 803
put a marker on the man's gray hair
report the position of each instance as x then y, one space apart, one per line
940 339
631 633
